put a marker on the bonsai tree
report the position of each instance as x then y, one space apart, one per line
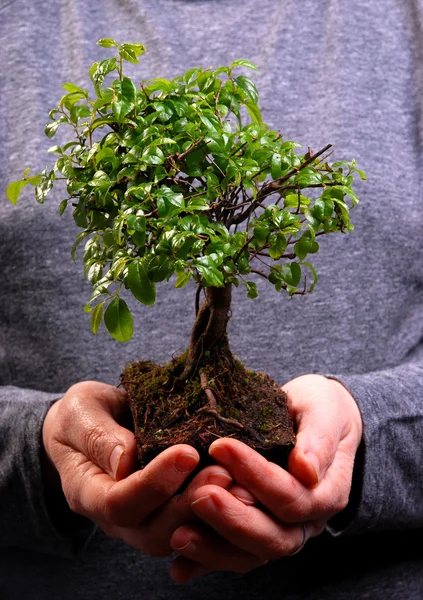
181 180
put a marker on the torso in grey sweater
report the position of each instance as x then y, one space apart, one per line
348 73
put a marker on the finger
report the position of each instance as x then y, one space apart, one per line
128 502
281 493
205 548
242 494
318 406
88 414
246 527
286 498
154 534
183 569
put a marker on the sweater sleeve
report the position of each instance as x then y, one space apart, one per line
26 518
387 485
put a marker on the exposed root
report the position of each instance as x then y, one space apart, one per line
211 409
208 391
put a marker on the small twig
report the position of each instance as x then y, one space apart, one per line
274 427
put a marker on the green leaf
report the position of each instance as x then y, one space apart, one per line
100 180
277 245
71 88
81 236
261 232
207 267
348 192
276 169
126 94
254 112
14 189
51 128
96 315
191 75
249 87
107 43
160 268
64 166
98 72
78 112
182 279
153 156
314 273
118 320
139 283
251 289
305 246
197 204
63 206
42 189
130 52
323 208
307 179
291 273
95 272
244 63
169 203
158 84
55 149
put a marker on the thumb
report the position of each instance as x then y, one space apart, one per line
89 412
320 427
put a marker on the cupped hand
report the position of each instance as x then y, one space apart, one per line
96 460
291 505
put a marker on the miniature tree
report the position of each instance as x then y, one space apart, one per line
182 178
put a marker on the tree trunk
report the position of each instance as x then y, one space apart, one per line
209 327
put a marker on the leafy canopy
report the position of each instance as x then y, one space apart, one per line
182 177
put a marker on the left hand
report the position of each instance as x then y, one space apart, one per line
241 536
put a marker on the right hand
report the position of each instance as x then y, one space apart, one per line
95 458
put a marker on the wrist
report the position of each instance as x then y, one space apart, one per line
64 520
352 407
50 474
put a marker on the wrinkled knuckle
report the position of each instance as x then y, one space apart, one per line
298 508
94 441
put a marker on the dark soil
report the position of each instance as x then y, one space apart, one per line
224 399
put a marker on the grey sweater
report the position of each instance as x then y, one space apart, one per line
348 73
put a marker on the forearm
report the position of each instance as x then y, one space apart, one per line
29 489
388 485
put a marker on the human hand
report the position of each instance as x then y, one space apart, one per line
292 505
96 458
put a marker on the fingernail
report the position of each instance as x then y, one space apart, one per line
314 463
221 479
219 453
206 501
115 458
180 548
243 495
185 463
